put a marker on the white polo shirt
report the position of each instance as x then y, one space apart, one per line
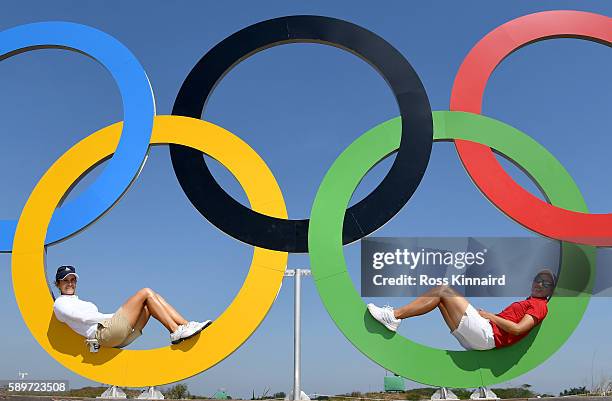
81 316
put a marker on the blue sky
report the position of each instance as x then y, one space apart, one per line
299 106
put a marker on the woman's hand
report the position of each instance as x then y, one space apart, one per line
516 329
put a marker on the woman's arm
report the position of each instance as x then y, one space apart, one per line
527 323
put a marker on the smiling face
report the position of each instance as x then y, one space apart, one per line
67 286
542 286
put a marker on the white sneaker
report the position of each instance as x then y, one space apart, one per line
199 326
183 332
385 316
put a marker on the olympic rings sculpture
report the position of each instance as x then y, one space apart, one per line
331 224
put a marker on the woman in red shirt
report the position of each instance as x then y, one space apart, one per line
474 329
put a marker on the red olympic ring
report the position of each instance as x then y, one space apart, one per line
479 160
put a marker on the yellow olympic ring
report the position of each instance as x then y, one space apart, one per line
141 368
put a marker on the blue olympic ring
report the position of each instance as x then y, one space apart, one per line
138 113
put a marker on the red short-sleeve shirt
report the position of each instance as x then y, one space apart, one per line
535 307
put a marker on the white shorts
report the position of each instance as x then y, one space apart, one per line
474 331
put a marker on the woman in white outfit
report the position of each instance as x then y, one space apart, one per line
125 325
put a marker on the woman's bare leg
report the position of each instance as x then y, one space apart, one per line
146 297
143 319
451 304
178 319
452 321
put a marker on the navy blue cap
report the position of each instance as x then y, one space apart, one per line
63 271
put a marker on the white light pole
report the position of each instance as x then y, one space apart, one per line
297 274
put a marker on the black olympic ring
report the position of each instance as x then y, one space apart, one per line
364 217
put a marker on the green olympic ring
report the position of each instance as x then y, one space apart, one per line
405 357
